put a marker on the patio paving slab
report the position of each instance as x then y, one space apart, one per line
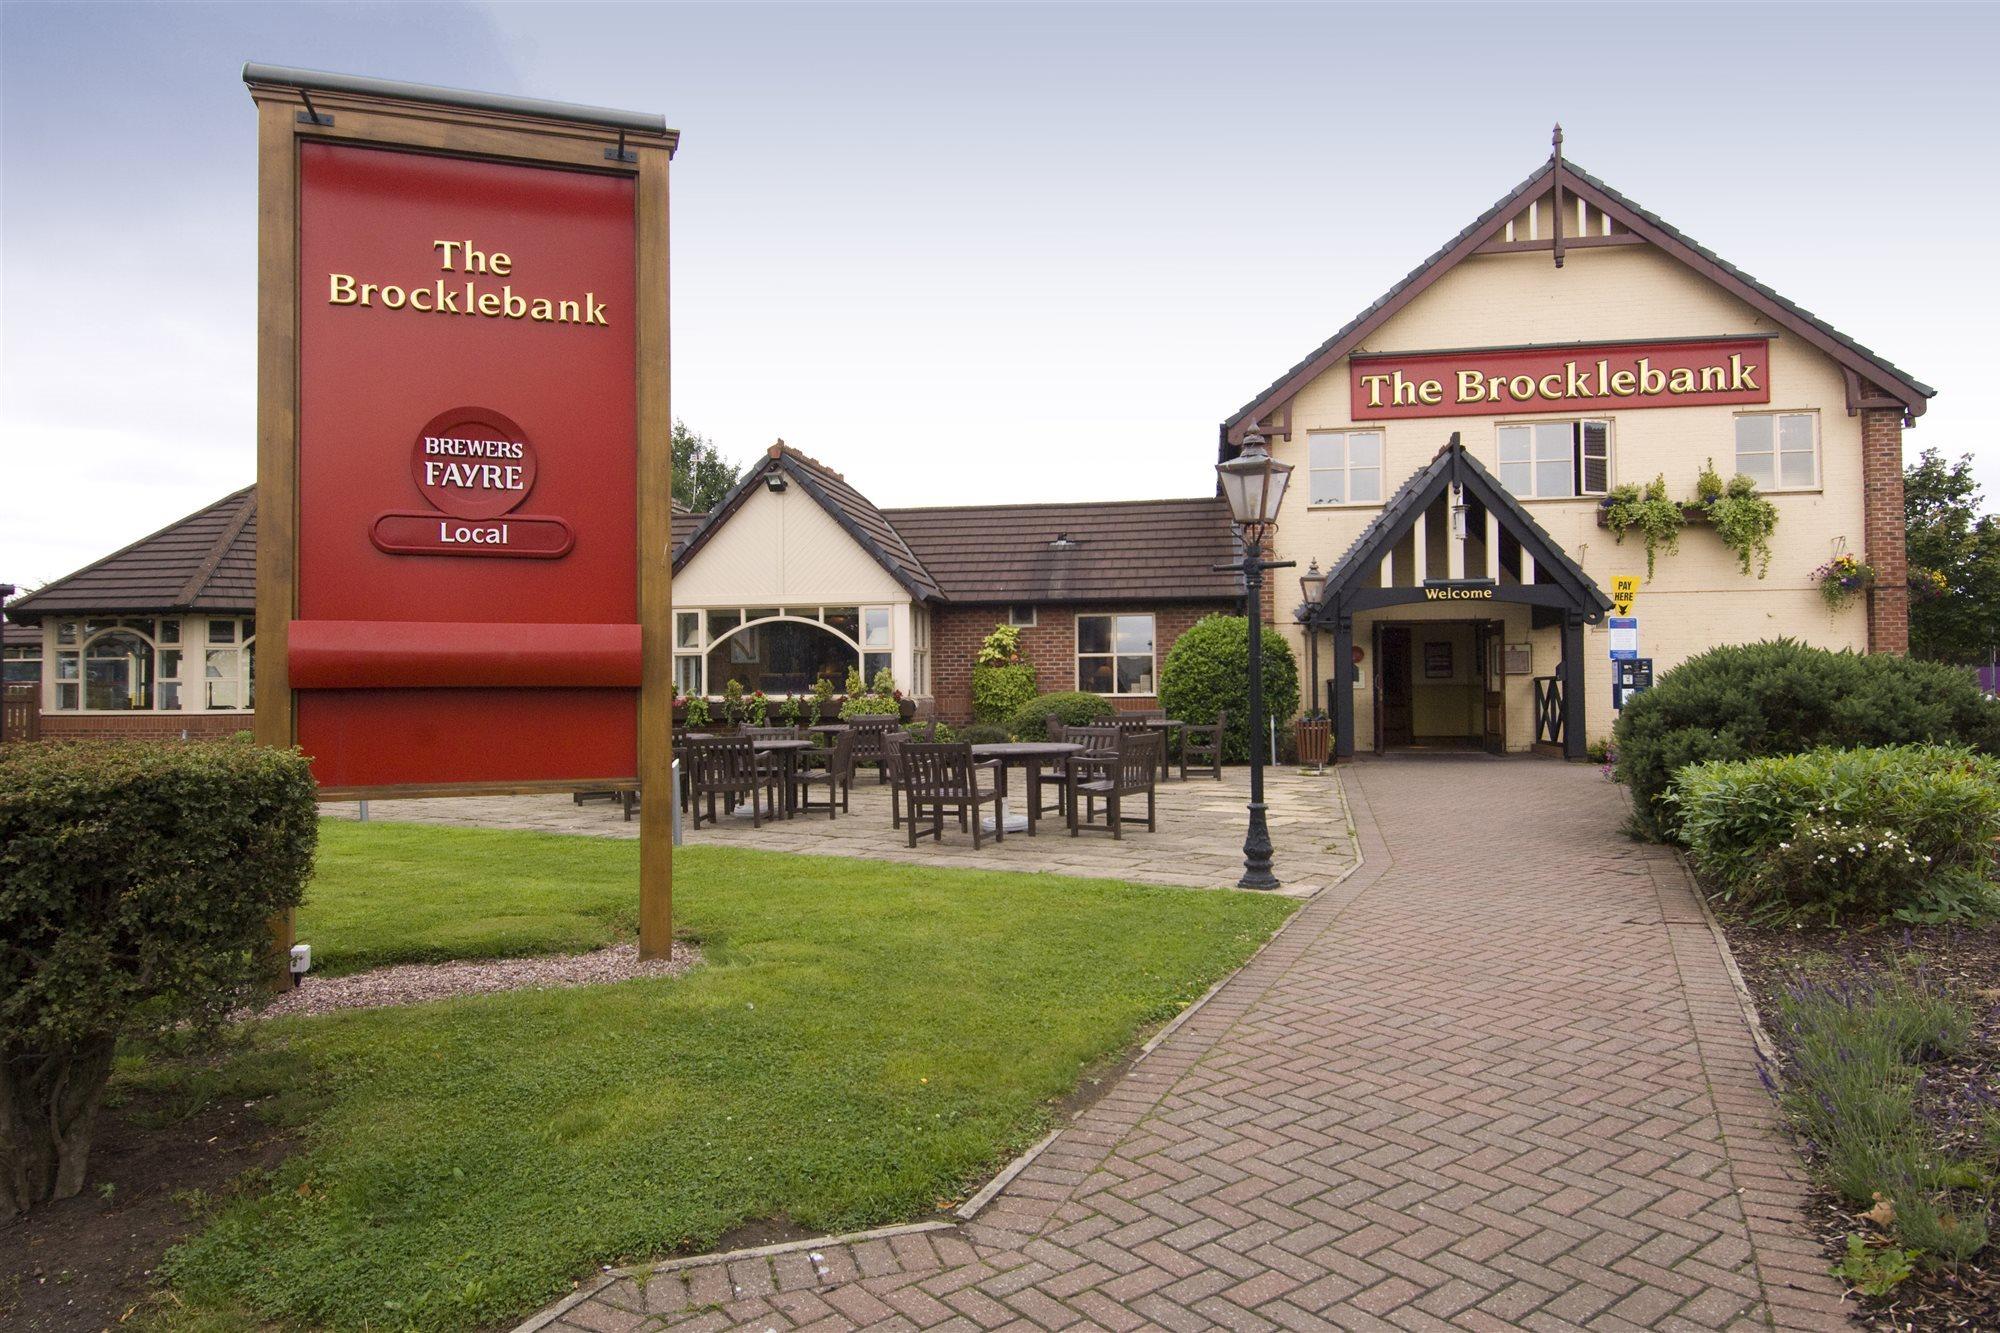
1199 842
1498 1078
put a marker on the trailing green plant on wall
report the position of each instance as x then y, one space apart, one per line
1001 681
1744 520
1650 514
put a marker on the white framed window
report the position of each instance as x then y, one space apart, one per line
1779 450
229 665
1546 460
1344 467
1022 616
24 663
780 650
140 664
1114 654
920 653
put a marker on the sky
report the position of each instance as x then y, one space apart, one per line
969 253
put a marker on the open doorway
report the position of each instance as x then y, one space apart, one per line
1438 686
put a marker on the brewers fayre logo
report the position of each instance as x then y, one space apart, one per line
1705 372
476 468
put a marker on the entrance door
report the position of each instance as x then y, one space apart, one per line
1392 672
1493 681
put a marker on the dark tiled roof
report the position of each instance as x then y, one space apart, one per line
1155 550
684 524
1508 205
855 513
204 562
22 636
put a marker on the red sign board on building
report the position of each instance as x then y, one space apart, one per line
1577 377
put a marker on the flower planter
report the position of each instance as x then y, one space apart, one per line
1315 741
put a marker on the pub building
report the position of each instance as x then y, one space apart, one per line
1452 447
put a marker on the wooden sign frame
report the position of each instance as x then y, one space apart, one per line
296 107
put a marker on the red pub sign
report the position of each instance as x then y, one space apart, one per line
1579 376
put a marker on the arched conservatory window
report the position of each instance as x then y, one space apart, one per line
118 672
781 656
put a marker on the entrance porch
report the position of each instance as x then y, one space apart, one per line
1456 621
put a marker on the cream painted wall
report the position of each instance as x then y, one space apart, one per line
781 548
1697 598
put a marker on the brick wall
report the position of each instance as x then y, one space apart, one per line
1882 498
1049 645
142 726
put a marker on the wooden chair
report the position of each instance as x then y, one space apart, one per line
941 776
1201 747
1133 770
870 728
837 774
724 766
892 763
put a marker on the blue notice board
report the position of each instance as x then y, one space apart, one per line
1624 637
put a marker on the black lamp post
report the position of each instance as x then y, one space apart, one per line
1312 583
1254 484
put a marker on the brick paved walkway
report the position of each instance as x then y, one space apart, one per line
1499 1078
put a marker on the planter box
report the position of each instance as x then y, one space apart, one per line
1691 515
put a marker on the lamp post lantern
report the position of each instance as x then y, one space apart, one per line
1254 484
1312 583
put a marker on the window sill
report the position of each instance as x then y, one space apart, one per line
1345 504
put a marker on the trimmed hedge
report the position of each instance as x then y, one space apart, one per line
1208 671
1072 708
136 881
998 692
1745 701
1904 831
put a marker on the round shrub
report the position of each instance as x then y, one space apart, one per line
136 881
998 692
1745 701
1904 831
1071 708
984 733
1208 671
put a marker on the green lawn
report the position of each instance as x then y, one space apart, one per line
866 1041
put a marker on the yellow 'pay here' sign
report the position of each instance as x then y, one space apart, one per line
1624 589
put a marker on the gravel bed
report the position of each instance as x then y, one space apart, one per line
416 983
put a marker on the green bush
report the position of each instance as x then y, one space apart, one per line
1071 708
1208 671
1744 701
998 692
984 733
1902 830
136 881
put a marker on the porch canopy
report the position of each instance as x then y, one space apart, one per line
1492 550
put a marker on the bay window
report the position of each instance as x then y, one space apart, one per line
140 664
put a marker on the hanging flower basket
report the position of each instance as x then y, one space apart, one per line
1843 578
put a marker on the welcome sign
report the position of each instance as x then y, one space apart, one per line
1574 377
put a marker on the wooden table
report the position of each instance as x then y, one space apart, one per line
786 748
1028 756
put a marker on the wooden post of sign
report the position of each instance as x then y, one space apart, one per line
656 693
296 107
277 448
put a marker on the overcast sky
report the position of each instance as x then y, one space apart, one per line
965 253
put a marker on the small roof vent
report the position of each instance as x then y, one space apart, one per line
1062 543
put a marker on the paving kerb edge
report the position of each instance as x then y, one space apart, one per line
971 1208
1759 1037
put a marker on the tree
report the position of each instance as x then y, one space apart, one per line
702 476
1954 553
